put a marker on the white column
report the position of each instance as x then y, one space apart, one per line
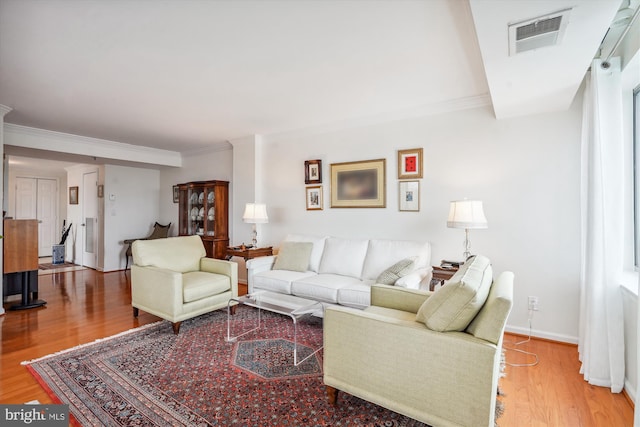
3 110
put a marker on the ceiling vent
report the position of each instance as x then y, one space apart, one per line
538 32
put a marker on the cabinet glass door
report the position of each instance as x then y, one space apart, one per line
210 211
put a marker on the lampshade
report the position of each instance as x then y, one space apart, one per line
466 214
255 213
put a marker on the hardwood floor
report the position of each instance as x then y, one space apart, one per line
85 305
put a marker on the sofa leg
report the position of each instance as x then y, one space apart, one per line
135 311
332 394
232 309
176 327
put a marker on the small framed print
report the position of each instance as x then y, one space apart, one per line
176 194
314 198
409 196
410 163
100 191
359 184
73 195
313 172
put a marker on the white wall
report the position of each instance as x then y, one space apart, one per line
132 212
201 166
526 170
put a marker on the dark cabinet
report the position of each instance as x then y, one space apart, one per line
204 211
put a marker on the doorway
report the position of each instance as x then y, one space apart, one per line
37 198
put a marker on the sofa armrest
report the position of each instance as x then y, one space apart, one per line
258 265
442 378
156 289
398 298
226 268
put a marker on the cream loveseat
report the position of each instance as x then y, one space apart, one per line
432 356
340 271
173 279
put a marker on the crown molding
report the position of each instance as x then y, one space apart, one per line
4 110
42 139
449 106
212 148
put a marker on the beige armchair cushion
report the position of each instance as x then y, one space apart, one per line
181 254
200 284
455 305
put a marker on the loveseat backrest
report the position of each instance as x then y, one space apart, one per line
343 256
180 254
490 322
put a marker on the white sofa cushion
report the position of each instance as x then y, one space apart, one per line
382 254
278 280
344 257
356 295
180 254
316 252
322 287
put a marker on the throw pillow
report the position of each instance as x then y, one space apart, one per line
396 271
293 256
454 306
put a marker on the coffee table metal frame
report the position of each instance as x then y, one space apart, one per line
294 307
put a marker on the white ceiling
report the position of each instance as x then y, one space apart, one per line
181 75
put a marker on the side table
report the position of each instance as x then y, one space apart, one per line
247 254
440 275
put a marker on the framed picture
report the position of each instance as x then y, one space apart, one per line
314 198
358 184
409 196
176 194
410 163
313 172
100 190
73 195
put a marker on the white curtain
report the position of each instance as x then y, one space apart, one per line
601 335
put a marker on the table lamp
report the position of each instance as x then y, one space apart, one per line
255 213
466 214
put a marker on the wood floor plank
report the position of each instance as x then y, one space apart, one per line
86 305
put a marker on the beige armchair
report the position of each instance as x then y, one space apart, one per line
173 279
392 356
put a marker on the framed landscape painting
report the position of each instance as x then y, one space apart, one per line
410 163
358 184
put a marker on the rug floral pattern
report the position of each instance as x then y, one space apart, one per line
151 377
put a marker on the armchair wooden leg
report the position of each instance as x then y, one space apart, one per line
135 311
332 394
232 309
176 327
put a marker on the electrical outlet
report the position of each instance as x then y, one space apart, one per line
533 303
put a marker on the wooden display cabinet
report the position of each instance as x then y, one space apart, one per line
204 211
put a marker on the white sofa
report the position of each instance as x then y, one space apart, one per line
341 271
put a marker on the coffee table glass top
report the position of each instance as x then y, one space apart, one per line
289 305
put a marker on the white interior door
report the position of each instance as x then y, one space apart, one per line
36 198
89 202
26 198
47 207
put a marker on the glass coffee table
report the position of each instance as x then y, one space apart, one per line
294 307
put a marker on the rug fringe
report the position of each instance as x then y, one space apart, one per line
99 340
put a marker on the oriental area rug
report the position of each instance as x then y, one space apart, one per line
150 377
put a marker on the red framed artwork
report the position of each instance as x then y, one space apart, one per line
410 163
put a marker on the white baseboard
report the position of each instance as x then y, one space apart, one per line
631 392
542 334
